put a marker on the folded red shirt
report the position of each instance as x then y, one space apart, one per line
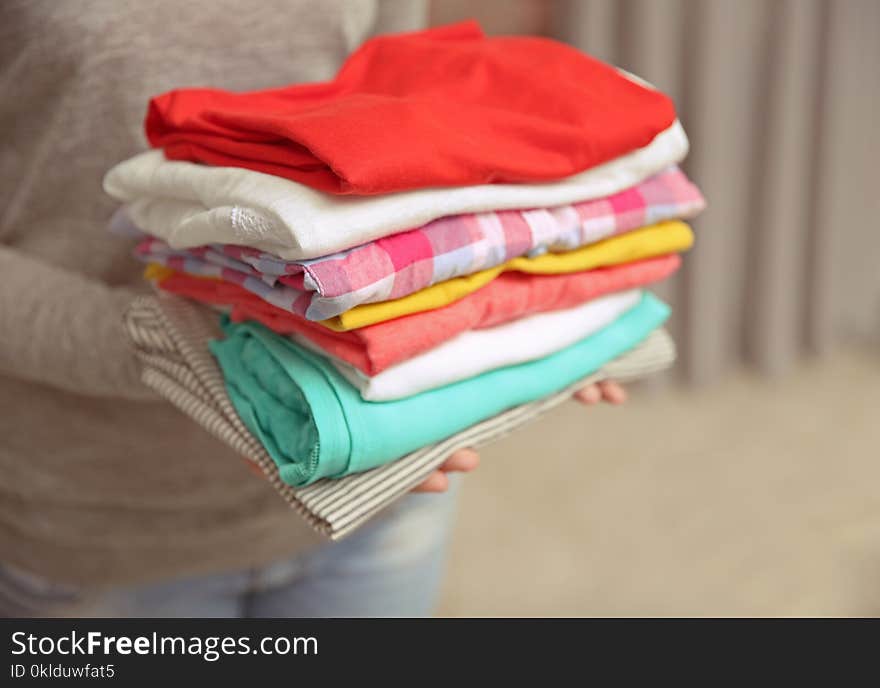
374 348
443 107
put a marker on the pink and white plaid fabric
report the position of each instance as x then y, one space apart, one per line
401 264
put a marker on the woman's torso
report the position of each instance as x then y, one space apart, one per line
102 490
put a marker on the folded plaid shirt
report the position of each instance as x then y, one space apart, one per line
404 263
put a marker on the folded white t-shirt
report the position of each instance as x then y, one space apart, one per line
188 204
479 351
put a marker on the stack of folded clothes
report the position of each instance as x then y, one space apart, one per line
421 254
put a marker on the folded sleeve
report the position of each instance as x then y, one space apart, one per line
63 329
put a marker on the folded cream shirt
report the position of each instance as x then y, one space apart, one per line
188 205
479 351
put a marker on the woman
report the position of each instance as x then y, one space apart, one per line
112 503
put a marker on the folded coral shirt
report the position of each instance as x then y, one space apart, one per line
443 107
479 351
193 205
404 263
375 348
647 242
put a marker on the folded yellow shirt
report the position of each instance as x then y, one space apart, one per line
156 273
654 240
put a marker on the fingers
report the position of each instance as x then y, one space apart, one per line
436 482
612 392
466 460
607 390
462 461
589 395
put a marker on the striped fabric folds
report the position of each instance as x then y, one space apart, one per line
170 337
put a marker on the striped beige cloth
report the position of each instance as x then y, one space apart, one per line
170 335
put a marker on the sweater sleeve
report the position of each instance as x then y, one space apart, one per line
395 16
63 329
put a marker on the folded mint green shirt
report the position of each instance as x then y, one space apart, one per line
315 424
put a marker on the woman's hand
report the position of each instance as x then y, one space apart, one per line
466 460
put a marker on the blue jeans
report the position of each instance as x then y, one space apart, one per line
393 566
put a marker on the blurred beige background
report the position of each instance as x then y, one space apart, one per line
748 482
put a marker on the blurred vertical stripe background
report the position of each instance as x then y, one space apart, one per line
779 100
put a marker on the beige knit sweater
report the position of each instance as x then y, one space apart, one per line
100 482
